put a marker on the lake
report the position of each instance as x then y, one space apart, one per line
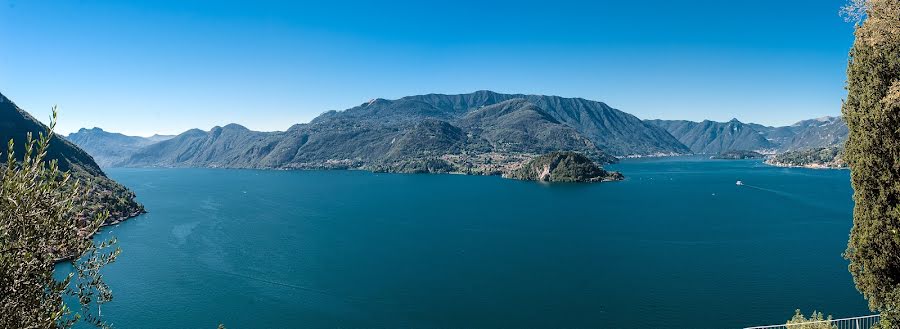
676 245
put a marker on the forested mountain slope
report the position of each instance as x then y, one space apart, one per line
103 193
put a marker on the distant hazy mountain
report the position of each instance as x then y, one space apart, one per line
104 193
229 146
479 132
156 138
711 137
109 148
817 133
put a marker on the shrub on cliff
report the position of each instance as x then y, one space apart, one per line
40 223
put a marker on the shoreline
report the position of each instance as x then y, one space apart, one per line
818 166
654 155
116 221
121 219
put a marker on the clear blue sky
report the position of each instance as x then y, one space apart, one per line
161 66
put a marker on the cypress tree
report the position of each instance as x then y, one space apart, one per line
872 113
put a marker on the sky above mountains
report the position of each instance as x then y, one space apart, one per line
165 66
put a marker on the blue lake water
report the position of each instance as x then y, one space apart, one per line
675 245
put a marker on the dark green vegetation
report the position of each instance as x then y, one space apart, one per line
108 148
480 133
562 167
101 193
710 137
737 155
612 131
519 126
823 157
41 222
872 112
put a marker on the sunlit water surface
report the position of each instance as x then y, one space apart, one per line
676 245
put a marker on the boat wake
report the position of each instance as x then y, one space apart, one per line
298 287
782 193
792 196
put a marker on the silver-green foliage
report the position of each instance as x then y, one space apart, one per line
40 225
816 320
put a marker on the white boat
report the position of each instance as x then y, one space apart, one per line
739 183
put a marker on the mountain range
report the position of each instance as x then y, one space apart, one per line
481 133
710 137
822 132
109 148
102 194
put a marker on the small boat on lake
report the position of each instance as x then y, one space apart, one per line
739 183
